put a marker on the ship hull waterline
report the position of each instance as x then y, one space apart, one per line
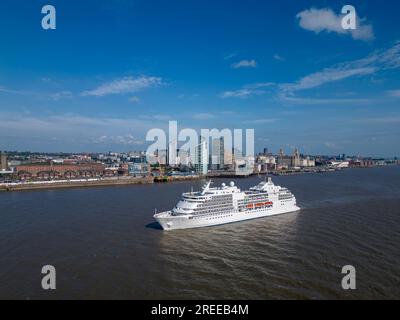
169 222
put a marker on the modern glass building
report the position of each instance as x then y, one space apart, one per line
201 157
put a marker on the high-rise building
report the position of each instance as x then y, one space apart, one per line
217 154
172 154
221 153
162 156
183 157
201 157
3 161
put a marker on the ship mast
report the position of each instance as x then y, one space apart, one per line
206 187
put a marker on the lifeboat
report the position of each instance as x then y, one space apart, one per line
259 205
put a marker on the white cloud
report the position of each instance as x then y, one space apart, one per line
124 85
318 20
126 139
394 93
36 94
230 56
74 131
322 101
18 92
245 64
60 95
259 85
328 75
47 80
364 32
247 91
330 145
134 99
378 61
243 93
74 123
279 57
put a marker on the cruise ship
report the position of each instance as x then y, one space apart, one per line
227 204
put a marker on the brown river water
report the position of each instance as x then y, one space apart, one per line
104 243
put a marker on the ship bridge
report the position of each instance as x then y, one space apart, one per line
266 186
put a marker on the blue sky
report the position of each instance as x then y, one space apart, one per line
112 70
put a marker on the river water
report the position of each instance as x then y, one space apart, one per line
104 243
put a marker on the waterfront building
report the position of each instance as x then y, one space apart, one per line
237 154
138 169
217 154
244 166
284 161
138 158
228 159
296 158
162 157
307 162
3 161
151 159
380 162
201 157
49 171
183 158
14 163
172 154
265 163
123 169
339 164
363 163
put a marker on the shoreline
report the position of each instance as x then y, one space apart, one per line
87 183
74 184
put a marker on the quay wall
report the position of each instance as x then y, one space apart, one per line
75 184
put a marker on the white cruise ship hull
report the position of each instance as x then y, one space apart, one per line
170 222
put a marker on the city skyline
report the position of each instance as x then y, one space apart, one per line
113 70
